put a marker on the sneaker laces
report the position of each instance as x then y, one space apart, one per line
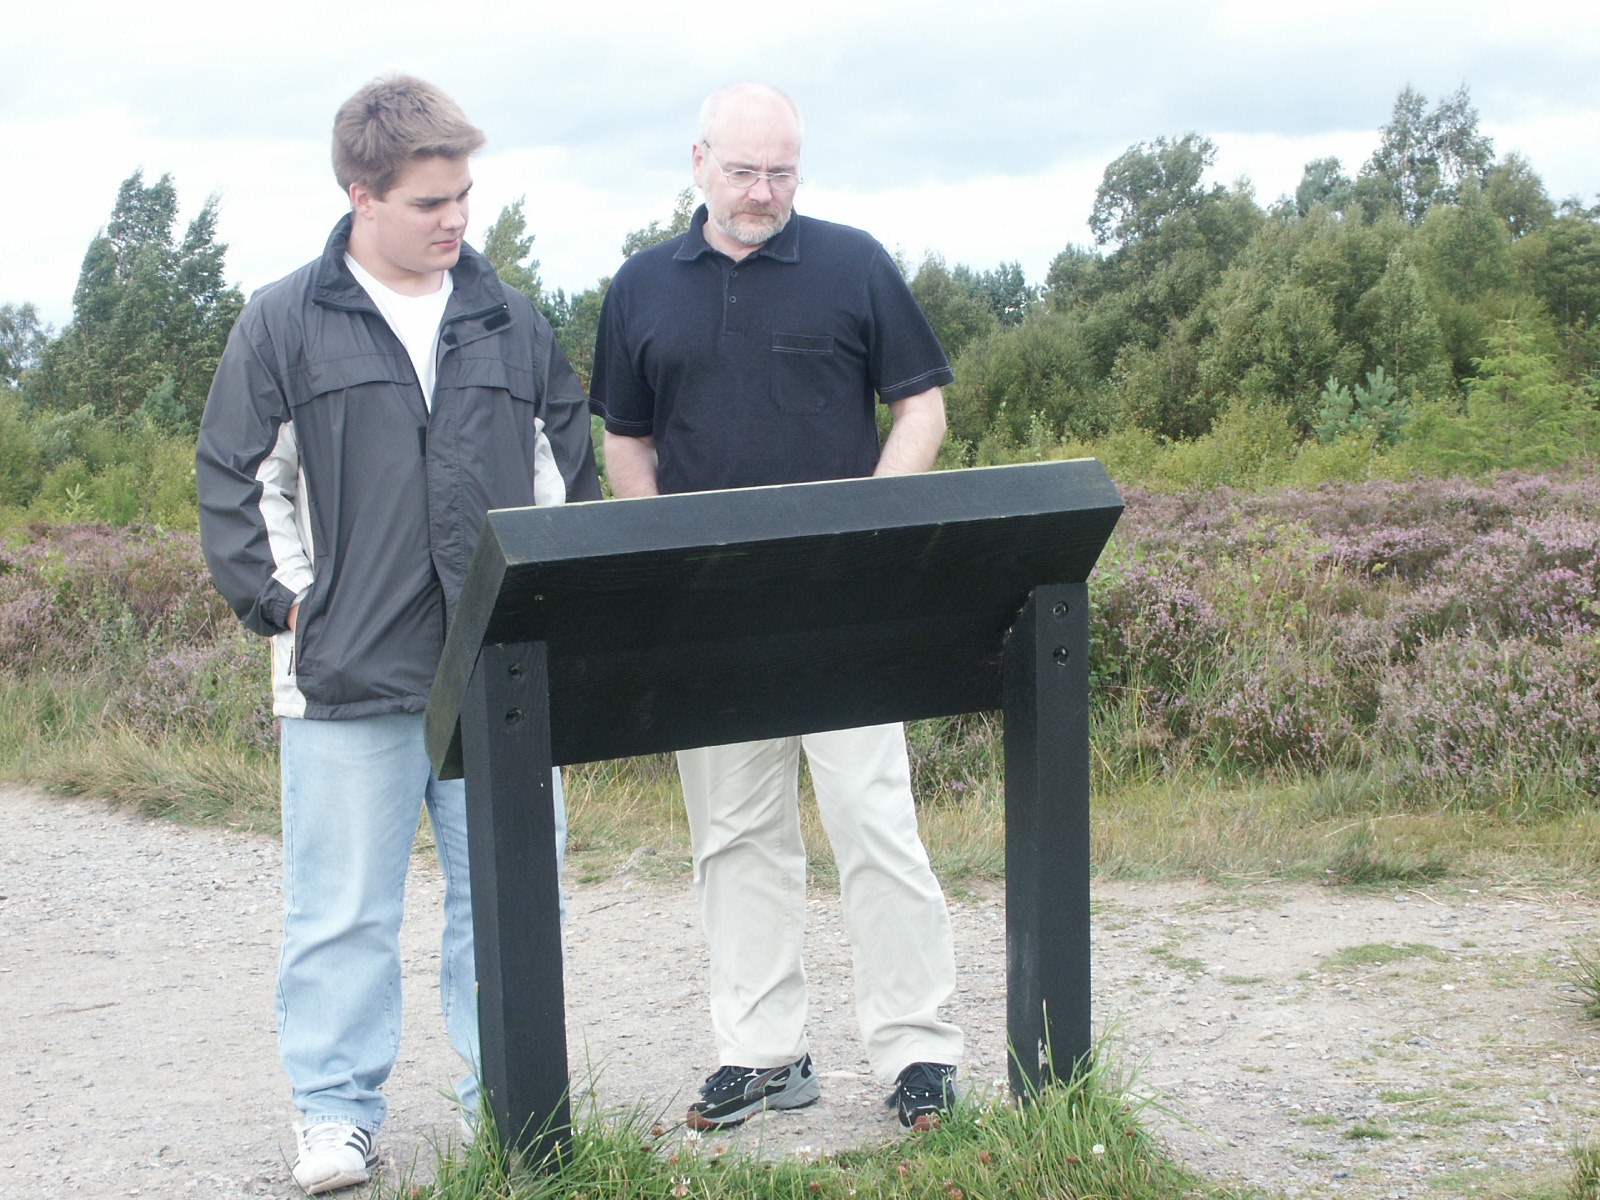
726 1077
322 1136
925 1081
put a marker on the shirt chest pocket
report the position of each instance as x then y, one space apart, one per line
803 373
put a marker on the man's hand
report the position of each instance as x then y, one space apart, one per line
631 465
294 615
918 432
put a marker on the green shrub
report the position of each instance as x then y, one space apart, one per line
1374 408
1036 368
1520 412
19 457
1248 447
73 467
1348 458
64 493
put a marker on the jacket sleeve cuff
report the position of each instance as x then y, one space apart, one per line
275 606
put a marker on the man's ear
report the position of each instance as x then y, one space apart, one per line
697 158
360 200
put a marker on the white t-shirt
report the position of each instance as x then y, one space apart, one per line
414 319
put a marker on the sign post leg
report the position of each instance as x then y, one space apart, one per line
1047 836
516 917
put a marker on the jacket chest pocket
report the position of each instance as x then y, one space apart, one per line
389 374
491 374
803 378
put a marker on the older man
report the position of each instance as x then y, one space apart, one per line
752 350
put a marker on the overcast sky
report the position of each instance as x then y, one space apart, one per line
979 130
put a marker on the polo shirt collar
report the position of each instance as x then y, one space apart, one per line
784 248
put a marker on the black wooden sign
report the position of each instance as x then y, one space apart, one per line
606 630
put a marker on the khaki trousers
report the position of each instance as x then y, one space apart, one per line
750 873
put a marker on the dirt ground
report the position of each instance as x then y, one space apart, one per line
1305 1040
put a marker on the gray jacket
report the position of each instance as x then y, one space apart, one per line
324 477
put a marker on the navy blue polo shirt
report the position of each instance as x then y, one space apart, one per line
766 370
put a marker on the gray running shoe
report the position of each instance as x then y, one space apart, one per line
734 1093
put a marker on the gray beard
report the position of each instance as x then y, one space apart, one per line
771 227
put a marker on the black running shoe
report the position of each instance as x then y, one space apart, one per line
734 1093
924 1092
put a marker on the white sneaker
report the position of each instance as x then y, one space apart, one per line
333 1155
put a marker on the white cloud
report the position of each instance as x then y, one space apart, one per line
1273 163
1560 145
983 222
979 131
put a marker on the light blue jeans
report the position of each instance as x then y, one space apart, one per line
352 796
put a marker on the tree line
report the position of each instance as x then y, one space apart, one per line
1434 282
1396 283
1400 300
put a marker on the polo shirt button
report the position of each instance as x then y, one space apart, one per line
733 299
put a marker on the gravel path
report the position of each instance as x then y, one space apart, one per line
136 1021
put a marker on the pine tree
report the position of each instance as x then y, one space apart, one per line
682 213
1520 413
507 245
146 309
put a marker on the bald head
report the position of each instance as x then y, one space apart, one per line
742 104
747 164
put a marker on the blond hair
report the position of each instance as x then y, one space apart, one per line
391 121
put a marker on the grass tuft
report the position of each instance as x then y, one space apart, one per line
1585 1181
1586 979
1083 1138
1379 954
1360 861
1173 961
1340 793
197 784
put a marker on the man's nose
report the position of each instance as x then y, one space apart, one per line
455 216
761 191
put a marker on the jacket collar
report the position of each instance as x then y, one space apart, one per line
785 247
475 287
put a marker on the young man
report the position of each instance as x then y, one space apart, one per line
751 350
369 409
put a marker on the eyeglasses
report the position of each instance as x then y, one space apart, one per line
744 179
